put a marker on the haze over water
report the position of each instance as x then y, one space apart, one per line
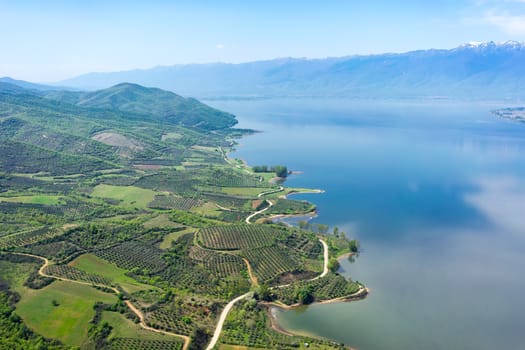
435 192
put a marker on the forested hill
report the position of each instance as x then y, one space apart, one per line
153 103
65 132
137 101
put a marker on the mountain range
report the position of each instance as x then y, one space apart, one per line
472 71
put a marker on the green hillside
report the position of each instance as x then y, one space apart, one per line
155 104
129 191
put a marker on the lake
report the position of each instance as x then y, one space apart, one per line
435 193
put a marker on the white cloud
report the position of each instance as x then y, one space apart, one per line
506 15
509 23
502 200
221 46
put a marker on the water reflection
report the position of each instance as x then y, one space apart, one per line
435 194
502 200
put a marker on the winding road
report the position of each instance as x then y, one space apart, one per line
281 188
270 203
249 217
140 314
230 305
224 313
132 307
325 264
222 318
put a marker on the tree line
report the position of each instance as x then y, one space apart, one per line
279 170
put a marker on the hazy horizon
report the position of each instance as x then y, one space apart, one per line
253 61
57 40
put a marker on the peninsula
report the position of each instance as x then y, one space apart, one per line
126 226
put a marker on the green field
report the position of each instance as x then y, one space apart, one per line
129 196
207 209
163 221
166 243
67 322
15 273
243 191
93 264
39 199
125 328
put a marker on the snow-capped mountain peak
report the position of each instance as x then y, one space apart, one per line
511 44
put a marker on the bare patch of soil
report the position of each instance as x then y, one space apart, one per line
118 140
295 276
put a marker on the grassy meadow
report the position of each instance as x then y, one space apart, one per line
61 310
95 265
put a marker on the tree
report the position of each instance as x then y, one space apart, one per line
303 224
99 334
336 231
333 265
321 228
199 339
280 170
304 295
260 169
354 246
263 293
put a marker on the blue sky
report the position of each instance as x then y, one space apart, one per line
52 40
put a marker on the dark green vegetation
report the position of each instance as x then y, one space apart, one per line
128 193
275 253
331 286
14 334
287 206
279 170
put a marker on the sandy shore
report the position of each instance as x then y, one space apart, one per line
310 191
273 322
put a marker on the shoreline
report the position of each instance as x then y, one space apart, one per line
310 215
274 324
346 255
361 294
279 329
308 191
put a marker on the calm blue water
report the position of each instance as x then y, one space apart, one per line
435 192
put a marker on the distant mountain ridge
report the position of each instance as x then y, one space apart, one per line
473 71
31 86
